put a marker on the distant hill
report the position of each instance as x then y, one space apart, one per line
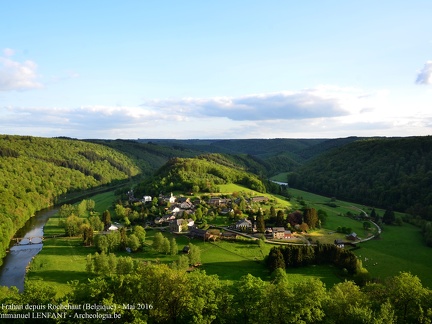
384 172
264 156
151 155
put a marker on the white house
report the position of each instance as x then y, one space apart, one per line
243 224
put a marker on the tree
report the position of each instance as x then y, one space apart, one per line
198 214
322 216
112 263
157 241
275 259
165 247
125 265
120 211
72 225
89 263
310 217
182 263
67 210
194 254
249 299
173 246
374 215
260 222
133 242
280 218
140 232
87 231
96 223
101 243
123 238
272 212
106 218
389 217
101 265
90 204
114 241
408 296
82 208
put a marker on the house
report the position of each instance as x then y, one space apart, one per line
177 225
186 204
214 201
199 233
190 222
217 201
259 199
229 235
352 237
287 235
168 199
243 224
146 199
225 211
278 232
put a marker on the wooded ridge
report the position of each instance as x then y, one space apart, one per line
34 172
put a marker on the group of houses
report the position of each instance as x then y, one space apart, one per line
179 210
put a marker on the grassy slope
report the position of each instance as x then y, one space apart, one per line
401 248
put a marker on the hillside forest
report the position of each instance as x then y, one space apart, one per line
36 172
394 173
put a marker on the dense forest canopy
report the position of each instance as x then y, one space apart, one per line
34 172
384 172
203 173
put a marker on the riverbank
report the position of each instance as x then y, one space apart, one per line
14 268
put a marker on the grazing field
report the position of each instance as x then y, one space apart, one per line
399 248
61 260
280 202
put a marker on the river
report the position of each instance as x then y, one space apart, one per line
13 270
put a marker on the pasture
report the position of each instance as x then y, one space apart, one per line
399 248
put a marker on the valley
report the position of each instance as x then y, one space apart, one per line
80 253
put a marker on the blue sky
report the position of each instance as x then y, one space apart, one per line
215 69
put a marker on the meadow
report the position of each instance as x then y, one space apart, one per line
399 248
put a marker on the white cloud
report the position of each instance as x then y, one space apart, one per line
16 75
287 105
425 75
8 52
323 111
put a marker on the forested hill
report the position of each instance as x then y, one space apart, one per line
203 173
384 172
35 171
149 156
266 157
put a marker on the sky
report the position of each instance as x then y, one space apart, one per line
215 69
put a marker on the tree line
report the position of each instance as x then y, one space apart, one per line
303 255
156 293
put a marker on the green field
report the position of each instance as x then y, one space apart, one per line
280 202
400 248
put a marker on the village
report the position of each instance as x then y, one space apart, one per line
179 219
